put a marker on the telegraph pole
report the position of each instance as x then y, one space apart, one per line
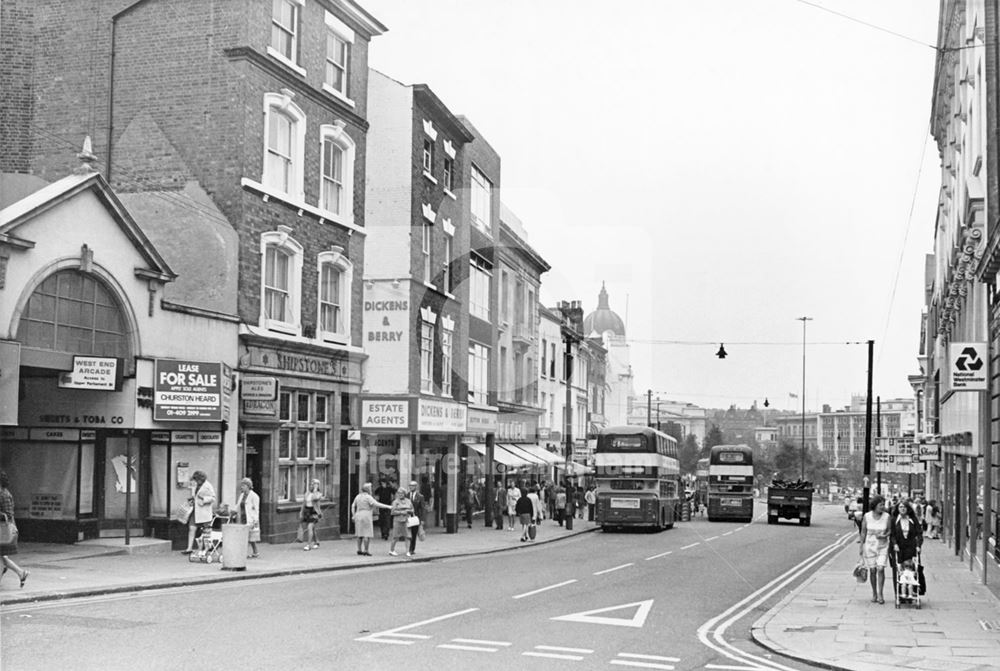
868 427
802 454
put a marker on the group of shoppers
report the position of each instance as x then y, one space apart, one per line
888 537
558 502
404 517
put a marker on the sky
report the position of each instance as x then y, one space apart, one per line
724 166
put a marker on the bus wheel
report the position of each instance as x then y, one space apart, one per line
772 520
804 521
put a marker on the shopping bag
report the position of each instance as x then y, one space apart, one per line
412 521
922 587
421 535
532 530
861 572
8 532
183 512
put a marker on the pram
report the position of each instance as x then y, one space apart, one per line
909 584
208 547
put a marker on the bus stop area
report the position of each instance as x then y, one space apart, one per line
828 620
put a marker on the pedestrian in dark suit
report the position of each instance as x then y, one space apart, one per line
499 504
384 494
419 509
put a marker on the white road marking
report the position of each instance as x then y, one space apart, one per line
556 648
727 533
470 648
711 539
377 637
732 668
609 570
539 591
690 546
662 554
589 616
573 658
643 665
655 658
476 641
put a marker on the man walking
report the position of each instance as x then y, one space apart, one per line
384 494
499 504
419 509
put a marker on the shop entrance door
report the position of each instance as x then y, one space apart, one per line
123 468
253 460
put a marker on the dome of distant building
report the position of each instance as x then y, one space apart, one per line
603 319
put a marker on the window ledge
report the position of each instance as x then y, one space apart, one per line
430 177
326 338
430 286
450 295
281 327
321 214
338 95
448 193
278 56
248 329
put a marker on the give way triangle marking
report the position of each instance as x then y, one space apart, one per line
638 618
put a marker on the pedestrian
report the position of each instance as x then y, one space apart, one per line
560 508
248 512
202 500
579 502
513 494
471 501
419 502
906 536
311 513
854 513
499 504
7 514
361 511
384 495
401 511
591 498
536 505
933 519
570 510
525 511
550 499
875 530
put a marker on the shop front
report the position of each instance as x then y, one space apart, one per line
298 423
406 438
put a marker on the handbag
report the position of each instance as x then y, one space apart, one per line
8 532
861 572
921 580
412 521
183 512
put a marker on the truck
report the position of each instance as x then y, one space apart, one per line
790 501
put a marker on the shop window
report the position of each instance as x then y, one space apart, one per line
303 445
72 311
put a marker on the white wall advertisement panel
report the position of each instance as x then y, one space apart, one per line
386 310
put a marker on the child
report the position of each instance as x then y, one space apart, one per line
908 583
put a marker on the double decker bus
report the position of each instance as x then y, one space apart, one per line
638 478
700 485
730 483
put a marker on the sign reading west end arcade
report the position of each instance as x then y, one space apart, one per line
187 391
967 366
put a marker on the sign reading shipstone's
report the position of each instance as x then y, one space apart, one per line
187 391
967 365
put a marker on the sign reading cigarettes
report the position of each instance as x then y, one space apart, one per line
967 365
187 391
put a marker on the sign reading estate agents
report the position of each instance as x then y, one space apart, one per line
187 391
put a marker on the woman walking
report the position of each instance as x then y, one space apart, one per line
203 501
402 509
248 507
7 514
513 494
906 535
361 510
875 530
311 514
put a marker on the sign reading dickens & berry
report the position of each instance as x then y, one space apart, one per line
441 416
385 414
187 391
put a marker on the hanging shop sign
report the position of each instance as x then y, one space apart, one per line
93 372
967 366
257 388
187 391
482 421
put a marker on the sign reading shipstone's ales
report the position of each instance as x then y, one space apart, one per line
187 391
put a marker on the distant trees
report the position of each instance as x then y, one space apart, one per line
690 453
712 438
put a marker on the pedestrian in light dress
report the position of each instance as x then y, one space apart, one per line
203 501
248 511
875 530
401 510
7 514
311 513
513 494
361 510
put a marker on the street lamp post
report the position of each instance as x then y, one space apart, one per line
802 455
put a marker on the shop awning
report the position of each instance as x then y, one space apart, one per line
540 452
501 455
519 452
575 468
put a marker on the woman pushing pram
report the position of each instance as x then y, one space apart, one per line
906 538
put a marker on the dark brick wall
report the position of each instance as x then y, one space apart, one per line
16 103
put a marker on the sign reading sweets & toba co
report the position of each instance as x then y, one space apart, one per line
187 391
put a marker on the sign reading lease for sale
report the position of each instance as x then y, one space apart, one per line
187 390
967 366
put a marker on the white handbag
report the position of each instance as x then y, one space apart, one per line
412 521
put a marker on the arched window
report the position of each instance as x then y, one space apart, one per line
334 300
337 172
75 312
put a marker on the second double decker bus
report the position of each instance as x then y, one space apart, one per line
638 478
730 483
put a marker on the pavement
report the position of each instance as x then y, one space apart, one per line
827 621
